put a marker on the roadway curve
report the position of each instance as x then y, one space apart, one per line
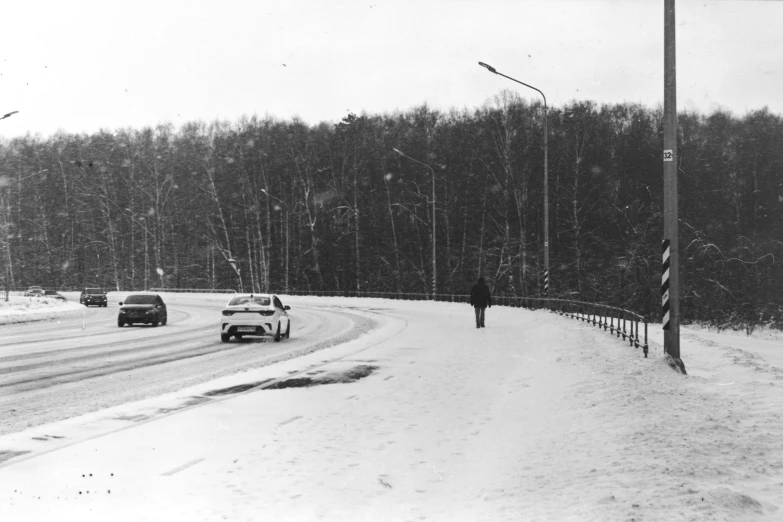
51 371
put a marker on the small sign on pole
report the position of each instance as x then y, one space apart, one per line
668 155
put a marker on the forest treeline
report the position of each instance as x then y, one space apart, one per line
267 205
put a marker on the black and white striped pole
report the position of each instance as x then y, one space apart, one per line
546 282
665 272
670 281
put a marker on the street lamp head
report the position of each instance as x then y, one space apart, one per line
398 151
488 67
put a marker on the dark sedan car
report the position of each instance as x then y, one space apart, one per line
142 308
93 296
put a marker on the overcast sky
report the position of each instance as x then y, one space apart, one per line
82 65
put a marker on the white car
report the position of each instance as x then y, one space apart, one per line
255 315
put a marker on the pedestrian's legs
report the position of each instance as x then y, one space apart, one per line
478 316
481 322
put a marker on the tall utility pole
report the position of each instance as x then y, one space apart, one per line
434 262
670 278
546 175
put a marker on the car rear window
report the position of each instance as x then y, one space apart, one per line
246 299
140 299
94 291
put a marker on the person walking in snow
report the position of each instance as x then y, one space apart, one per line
480 299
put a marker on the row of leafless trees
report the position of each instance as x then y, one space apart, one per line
268 205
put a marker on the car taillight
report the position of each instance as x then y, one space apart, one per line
266 312
228 312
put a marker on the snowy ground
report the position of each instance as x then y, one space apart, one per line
536 417
20 309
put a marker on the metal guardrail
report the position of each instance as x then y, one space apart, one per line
618 321
195 290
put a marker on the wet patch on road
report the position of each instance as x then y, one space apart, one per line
48 437
236 389
345 376
8 455
133 418
190 402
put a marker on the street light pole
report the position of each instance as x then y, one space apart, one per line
546 175
434 252
6 229
7 246
287 217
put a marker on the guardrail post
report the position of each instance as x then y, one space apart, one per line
622 316
645 337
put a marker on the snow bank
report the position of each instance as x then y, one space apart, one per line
19 309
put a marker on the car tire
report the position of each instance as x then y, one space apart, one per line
277 334
120 323
225 337
288 331
165 320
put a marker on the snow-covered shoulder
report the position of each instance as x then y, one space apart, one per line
20 309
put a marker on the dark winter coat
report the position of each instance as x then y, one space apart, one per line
480 296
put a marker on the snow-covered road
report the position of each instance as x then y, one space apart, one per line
536 417
82 362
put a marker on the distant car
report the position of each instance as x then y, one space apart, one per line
255 315
34 291
53 294
142 308
93 296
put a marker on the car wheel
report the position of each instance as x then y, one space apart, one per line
120 323
288 331
165 320
277 334
225 337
